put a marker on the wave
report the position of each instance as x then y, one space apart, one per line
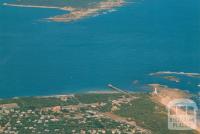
176 73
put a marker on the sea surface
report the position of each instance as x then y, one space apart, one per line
122 47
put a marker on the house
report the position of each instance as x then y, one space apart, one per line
56 108
9 106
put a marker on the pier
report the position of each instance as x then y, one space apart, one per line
117 89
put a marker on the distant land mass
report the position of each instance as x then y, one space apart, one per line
77 8
99 66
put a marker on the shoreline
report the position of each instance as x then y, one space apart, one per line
119 108
45 7
175 73
165 95
107 91
30 6
76 13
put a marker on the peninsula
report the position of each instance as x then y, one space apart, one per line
75 13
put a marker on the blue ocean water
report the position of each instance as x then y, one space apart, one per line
42 58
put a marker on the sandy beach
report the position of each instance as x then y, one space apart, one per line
166 95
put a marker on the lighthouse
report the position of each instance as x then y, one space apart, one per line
155 91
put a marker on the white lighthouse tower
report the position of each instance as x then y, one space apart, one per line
155 91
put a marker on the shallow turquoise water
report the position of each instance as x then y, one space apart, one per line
40 58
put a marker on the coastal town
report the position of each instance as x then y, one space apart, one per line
99 67
74 117
90 113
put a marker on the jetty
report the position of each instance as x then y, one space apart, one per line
117 89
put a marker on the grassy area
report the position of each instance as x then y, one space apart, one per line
94 98
33 102
148 115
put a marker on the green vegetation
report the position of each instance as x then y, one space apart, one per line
149 115
85 113
94 98
35 102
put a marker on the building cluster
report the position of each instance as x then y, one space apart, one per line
123 100
74 119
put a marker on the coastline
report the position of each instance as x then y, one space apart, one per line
34 6
108 90
75 13
90 99
166 95
85 12
57 95
176 73
29 6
